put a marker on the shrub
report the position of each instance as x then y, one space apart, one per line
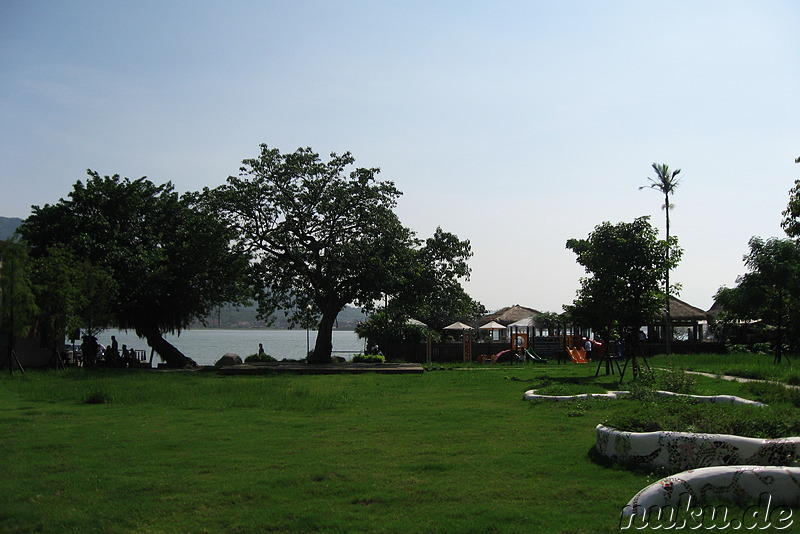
259 358
676 380
733 348
762 348
678 415
368 358
643 388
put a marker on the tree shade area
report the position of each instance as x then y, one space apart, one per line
159 259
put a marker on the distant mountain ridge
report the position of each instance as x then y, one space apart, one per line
8 225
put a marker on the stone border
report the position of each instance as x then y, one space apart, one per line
613 395
678 451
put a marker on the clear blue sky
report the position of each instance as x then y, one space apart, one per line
516 125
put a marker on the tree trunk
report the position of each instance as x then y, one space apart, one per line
166 350
668 319
324 344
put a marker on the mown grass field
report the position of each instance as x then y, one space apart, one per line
447 451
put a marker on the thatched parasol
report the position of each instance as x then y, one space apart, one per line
458 325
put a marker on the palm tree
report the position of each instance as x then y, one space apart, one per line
666 182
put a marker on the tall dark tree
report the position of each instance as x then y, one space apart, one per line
626 264
168 254
665 182
324 235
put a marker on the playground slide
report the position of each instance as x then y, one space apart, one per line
534 357
575 355
502 354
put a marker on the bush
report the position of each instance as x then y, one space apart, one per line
676 380
259 358
682 415
368 358
733 348
643 388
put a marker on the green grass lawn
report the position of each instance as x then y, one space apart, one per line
446 451
745 365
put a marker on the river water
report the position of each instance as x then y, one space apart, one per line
207 345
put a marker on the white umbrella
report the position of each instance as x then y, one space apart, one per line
492 325
458 325
414 322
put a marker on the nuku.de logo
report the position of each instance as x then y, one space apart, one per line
687 515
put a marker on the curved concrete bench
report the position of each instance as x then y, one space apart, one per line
611 395
678 451
754 485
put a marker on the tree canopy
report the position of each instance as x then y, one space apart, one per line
769 292
167 254
791 215
627 265
324 234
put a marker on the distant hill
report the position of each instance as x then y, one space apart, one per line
231 317
8 225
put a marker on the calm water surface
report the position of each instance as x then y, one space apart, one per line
206 346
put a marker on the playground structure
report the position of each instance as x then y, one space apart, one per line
511 356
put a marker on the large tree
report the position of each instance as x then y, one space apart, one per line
665 182
769 292
626 263
430 289
427 288
323 234
168 254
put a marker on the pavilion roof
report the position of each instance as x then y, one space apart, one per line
508 315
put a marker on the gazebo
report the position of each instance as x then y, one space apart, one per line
683 317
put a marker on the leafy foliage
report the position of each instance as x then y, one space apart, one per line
72 294
167 254
368 358
320 237
791 215
18 308
323 236
627 263
770 292
384 327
